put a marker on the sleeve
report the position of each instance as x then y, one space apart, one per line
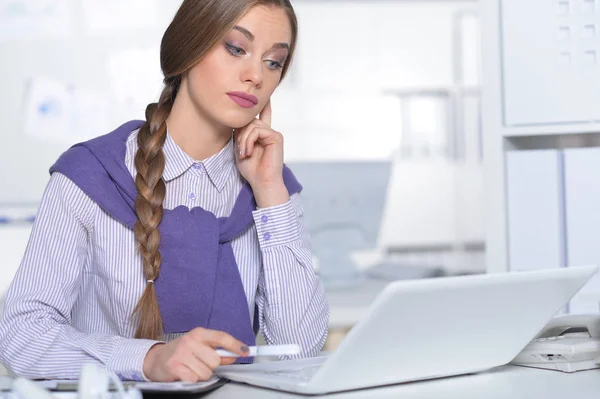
36 336
291 301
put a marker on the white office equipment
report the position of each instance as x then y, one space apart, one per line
432 328
426 213
342 214
345 217
568 343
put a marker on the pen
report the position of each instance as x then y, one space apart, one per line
265 350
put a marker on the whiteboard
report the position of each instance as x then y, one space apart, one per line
69 45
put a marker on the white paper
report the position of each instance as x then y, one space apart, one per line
35 19
136 79
56 110
108 16
47 109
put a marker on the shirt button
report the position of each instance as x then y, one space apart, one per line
197 166
267 236
192 196
264 219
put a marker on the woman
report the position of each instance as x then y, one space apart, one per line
170 237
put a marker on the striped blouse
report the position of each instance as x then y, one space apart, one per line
81 276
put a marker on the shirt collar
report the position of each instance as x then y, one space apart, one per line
217 167
177 162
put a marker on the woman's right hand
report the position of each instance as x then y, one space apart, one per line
191 357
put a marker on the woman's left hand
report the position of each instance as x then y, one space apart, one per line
259 157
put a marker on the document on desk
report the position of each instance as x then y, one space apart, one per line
183 387
188 387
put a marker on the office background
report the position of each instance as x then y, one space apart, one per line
403 89
374 81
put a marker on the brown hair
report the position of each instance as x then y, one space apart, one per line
196 28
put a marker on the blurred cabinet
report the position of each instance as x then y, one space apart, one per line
582 210
541 134
553 201
550 61
534 209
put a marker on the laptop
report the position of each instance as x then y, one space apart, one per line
424 329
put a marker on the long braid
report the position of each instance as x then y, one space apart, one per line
150 164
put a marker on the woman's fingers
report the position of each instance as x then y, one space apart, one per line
185 373
226 361
220 339
265 114
263 135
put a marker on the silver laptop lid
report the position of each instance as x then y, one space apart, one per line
421 329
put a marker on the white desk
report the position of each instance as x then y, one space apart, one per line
507 382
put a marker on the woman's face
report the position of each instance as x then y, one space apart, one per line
249 59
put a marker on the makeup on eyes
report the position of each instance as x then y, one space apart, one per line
234 49
237 37
238 50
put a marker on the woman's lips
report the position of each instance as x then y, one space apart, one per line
244 100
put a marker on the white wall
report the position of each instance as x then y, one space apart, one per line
351 56
13 240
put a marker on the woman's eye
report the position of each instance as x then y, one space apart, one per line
234 50
274 65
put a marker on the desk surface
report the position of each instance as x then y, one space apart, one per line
508 382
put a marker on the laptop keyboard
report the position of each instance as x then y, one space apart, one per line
300 374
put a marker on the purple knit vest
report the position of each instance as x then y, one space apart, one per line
199 284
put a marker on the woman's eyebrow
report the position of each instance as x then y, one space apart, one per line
281 45
245 32
250 37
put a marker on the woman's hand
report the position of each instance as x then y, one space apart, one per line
259 156
191 357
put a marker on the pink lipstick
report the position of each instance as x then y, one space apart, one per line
242 99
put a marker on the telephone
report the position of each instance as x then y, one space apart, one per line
568 343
